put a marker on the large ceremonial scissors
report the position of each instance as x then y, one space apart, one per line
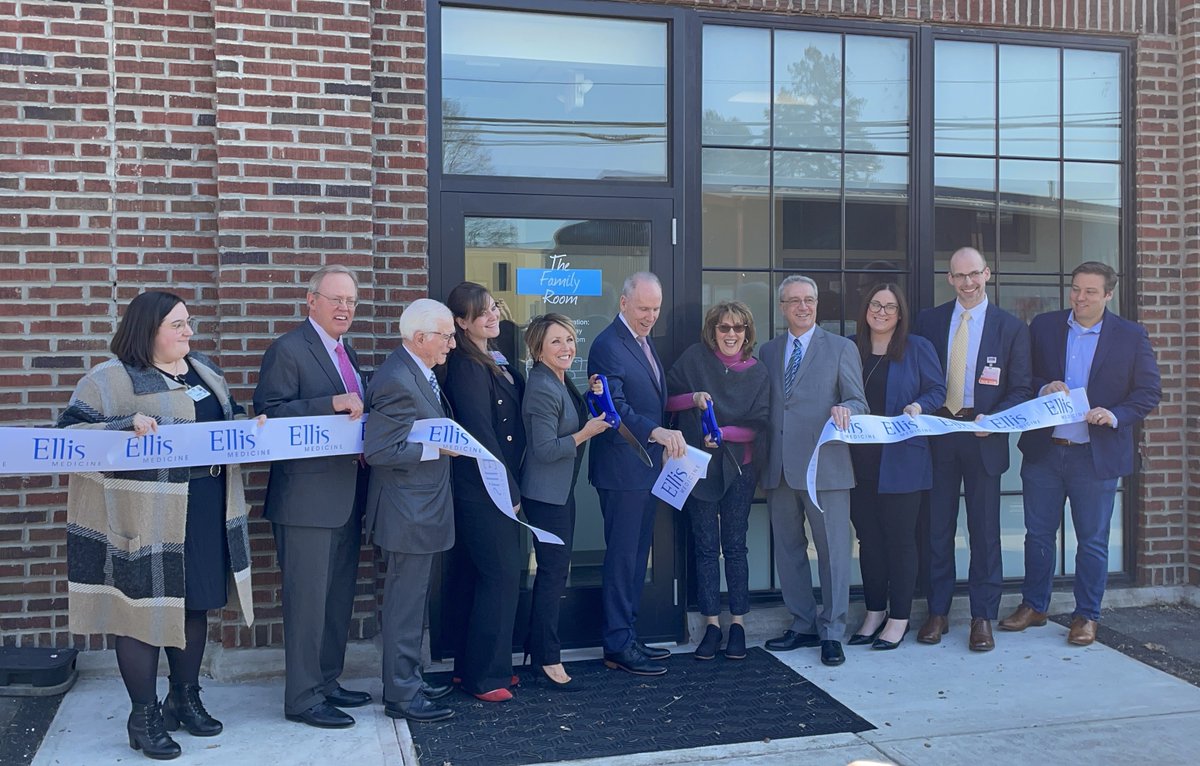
602 403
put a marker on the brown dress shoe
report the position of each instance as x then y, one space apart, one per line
934 628
1025 617
981 635
1083 631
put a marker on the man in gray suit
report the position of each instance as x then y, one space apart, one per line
410 511
815 375
315 504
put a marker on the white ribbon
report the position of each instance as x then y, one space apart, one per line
679 477
443 433
1055 409
76 450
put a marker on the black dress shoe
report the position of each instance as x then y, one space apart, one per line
792 640
340 697
633 661
885 646
652 652
323 716
862 639
435 692
419 709
831 653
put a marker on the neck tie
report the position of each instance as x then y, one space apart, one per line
956 366
649 356
437 390
793 365
347 371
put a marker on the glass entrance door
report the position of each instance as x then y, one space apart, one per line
570 256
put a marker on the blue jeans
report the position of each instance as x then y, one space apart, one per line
718 528
1066 472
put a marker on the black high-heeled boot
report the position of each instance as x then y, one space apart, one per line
183 707
148 733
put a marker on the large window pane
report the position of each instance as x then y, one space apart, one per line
1029 197
964 98
876 211
808 210
736 212
808 90
1092 213
876 94
1029 113
964 207
545 95
1027 296
1092 105
737 86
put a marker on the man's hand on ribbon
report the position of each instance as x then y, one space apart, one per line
912 410
350 403
981 434
672 441
1054 387
841 416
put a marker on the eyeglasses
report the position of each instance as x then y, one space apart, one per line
807 303
446 336
970 276
738 328
889 309
179 324
346 303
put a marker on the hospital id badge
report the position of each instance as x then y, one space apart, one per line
990 376
198 393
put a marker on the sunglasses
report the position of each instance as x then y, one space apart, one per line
738 328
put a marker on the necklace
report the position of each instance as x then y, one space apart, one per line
177 377
878 361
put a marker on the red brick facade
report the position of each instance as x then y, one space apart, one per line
225 149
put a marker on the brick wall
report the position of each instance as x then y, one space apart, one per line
226 148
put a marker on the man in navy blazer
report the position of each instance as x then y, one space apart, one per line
1085 346
985 353
625 354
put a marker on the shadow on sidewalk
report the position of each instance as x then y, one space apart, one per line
1163 636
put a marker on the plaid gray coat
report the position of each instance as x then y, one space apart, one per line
125 529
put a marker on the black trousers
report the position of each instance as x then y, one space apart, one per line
553 566
485 583
886 526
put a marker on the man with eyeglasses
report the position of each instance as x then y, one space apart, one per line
815 375
985 353
1084 346
315 504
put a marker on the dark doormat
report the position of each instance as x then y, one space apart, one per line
696 704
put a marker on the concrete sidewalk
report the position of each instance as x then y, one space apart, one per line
1034 698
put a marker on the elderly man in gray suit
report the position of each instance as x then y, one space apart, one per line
410 511
315 504
815 375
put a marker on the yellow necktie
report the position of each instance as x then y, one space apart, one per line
956 366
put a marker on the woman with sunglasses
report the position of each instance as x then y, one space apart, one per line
721 372
901 375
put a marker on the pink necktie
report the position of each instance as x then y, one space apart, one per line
347 371
649 355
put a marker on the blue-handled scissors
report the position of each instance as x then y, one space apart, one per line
708 424
602 404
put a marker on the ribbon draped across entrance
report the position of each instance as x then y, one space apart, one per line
79 450
1055 409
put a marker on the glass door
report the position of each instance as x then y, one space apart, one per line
567 255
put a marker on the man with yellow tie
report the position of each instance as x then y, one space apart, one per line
985 353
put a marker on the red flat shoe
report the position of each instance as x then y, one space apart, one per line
495 695
514 681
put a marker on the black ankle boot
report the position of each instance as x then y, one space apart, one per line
735 647
148 734
183 707
709 644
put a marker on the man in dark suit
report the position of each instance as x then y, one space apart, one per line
410 510
985 353
315 504
1084 346
815 375
625 354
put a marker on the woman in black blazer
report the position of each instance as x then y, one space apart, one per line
901 375
484 391
558 426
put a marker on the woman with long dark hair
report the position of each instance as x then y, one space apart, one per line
901 375
151 552
484 390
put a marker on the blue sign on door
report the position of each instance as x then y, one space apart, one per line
558 281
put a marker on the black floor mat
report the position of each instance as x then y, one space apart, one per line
696 704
